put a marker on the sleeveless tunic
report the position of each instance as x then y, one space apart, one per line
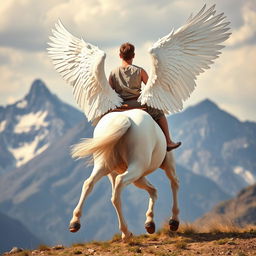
126 81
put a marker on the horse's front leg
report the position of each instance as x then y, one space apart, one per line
97 173
169 167
143 183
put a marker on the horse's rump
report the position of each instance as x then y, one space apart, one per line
108 145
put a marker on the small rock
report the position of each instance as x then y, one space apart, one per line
91 250
138 250
58 247
15 250
229 253
77 252
156 246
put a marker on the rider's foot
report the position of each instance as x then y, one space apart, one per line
173 145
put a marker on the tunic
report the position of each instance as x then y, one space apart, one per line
126 81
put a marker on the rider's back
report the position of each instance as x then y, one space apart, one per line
126 81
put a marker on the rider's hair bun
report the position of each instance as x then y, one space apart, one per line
127 51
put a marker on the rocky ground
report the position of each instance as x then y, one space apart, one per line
188 241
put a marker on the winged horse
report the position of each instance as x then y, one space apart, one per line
129 145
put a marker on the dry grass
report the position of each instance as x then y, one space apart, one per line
188 228
116 237
181 245
213 227
189 240
78 245
43 247
24 253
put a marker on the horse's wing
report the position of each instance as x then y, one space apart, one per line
179 57
81 64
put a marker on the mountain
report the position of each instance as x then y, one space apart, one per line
240 210
216 145
14 233
41 185
43 193
32 124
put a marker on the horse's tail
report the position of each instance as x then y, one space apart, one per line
108 146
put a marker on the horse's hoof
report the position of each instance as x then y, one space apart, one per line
174 224
74 227
126 238
150 227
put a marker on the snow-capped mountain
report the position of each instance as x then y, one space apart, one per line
29 126
216 145
44 183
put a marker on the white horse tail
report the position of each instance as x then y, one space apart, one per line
107 146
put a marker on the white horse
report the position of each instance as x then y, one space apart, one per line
127 146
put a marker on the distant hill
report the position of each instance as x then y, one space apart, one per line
216 145
240 210
13 233
32 124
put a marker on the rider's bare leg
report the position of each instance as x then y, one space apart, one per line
162 122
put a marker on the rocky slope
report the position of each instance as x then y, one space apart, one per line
240 210
216 145
184 243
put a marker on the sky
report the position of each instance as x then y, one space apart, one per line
25 26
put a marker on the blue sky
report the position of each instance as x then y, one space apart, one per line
26 24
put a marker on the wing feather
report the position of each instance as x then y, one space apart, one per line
81 64
179 57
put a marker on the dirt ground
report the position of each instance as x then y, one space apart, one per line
164 243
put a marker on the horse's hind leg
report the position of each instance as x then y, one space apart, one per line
169 167
143 183
121 181
97 173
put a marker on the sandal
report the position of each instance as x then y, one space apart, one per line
176 145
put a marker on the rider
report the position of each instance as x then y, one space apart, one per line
126 81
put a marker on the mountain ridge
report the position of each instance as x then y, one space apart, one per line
216 145
31 124
239 210
46 188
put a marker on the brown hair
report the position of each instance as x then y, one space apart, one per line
127 51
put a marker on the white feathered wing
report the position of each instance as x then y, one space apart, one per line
180 56
81 64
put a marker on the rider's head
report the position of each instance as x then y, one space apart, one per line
127 51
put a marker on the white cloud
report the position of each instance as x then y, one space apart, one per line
231 82
248 28
17 76
25 26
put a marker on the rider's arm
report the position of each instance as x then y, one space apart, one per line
144 76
